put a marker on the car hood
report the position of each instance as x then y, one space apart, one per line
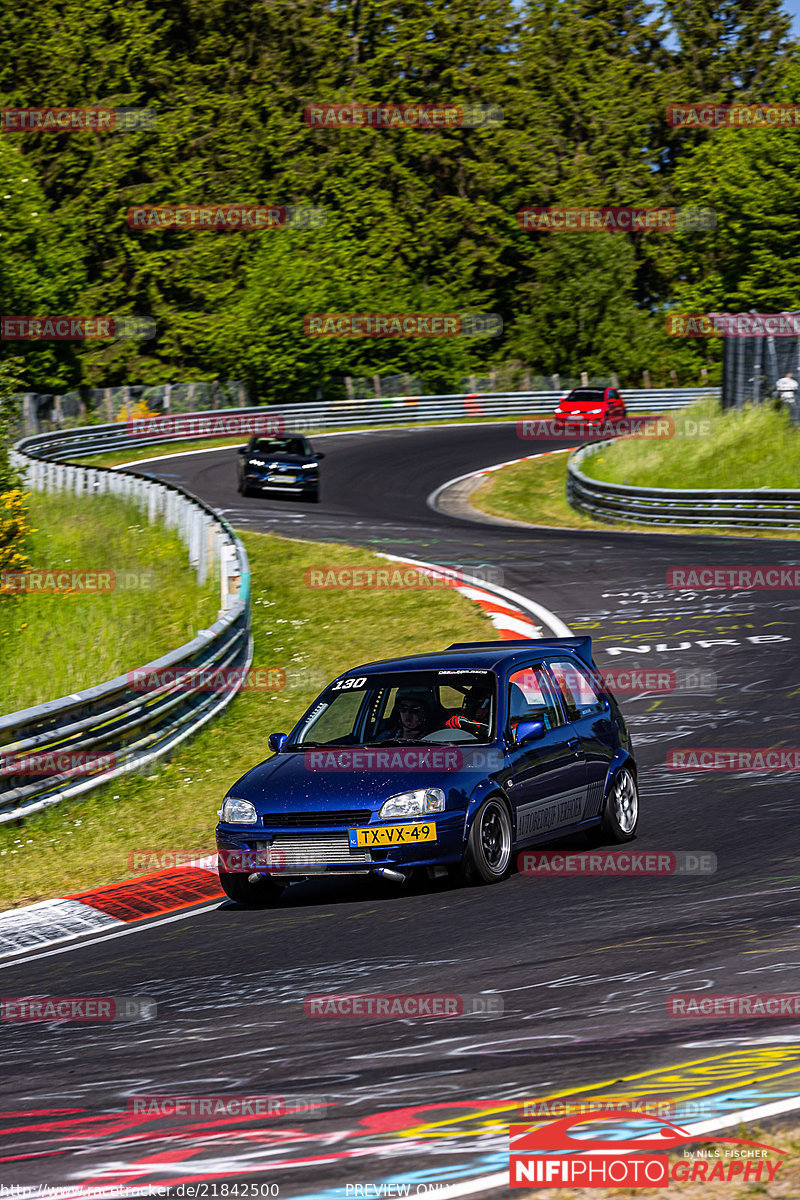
339 778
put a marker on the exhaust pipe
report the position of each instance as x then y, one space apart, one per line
391 875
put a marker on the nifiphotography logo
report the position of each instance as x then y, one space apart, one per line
552 1156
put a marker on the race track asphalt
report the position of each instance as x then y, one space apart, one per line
584 965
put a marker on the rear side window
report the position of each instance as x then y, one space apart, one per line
577 690
531 698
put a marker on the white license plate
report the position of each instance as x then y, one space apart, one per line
281 478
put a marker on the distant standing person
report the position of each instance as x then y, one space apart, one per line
787 390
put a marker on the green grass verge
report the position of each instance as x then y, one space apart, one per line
83 844
712 448
535 491
53 644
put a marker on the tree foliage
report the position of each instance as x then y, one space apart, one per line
416 219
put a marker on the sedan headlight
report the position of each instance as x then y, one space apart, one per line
238 812
414 804
594 412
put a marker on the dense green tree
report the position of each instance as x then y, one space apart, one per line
752 258
41 272
726 50
416 219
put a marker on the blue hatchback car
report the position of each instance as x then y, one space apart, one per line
445 762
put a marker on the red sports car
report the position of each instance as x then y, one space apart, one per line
592 406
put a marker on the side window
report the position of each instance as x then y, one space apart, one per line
577 690
531 698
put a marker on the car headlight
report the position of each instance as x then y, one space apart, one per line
413 804
594 412
238 812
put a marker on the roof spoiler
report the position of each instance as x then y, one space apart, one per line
581 645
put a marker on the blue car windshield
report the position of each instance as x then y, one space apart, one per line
439 706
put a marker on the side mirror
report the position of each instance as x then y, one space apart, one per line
529 731
276 742
319 455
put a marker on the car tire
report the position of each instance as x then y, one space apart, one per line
487 854
259 893
621 813
312 497
244 490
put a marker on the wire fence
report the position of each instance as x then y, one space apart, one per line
47 412
753 366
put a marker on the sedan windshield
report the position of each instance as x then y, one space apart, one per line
442 707
279 446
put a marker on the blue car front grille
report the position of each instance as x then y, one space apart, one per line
301 820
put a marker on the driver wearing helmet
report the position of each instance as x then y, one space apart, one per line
412 717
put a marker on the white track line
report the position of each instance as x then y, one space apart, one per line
133 927
542 614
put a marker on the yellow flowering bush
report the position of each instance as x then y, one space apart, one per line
14 531
137 410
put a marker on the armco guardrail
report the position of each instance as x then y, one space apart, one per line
322 415
70 745
757 508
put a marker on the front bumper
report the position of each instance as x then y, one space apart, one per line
325 850
261 484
